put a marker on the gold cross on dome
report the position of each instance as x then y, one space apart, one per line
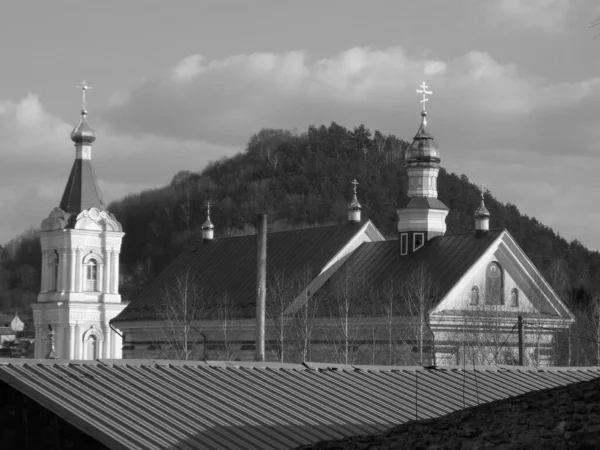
425 93
354 183
84 87
208 208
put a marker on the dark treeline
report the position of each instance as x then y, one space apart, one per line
300 179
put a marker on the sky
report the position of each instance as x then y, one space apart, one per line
179 83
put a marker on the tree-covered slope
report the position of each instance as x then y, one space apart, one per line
300 179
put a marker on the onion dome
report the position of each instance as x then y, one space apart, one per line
208 225
208 229
482 212
423 151
354 204
83 133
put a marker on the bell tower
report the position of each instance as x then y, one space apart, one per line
81 242
424 216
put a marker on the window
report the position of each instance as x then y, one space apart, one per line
403 243
92 347
418 241
494 284
474 295
53 272
514 298
91 275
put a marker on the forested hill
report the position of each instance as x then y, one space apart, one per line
300 179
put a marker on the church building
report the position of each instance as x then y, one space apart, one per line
80 243
340 293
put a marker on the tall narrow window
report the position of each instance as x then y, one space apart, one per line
92 347
91 275
53 272
514 298
404 244
474 295
494 284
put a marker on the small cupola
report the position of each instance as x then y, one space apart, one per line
83 133
354 208
482 216
208 229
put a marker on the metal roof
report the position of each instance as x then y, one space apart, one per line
129 404
447 259
227 266
82 191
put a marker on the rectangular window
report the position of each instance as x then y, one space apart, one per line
404 244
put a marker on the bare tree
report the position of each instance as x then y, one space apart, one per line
420 296
227 318
346 303
182 317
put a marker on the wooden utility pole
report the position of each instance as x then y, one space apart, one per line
261 284
521 340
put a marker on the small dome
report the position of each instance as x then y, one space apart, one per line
482 212
354 204
208 225
423 149
83 133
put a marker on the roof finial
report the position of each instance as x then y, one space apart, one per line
482 215
83 133
208 229
354 206
424 93
482 190
84 87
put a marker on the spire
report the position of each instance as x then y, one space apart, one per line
82 191
208 229
482 215
354 207
83 133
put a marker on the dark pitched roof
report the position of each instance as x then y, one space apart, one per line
447 258
227 266
127 404
425 203
82 191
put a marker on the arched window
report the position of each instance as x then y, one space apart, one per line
494 284
91 347
474 295
91 275
514 298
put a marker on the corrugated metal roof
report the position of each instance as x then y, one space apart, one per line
128 404
227 266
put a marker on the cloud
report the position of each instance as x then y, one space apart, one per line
544 15
37 155
528 139
509 128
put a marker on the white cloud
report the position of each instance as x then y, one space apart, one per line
546 15
37 155
522 136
